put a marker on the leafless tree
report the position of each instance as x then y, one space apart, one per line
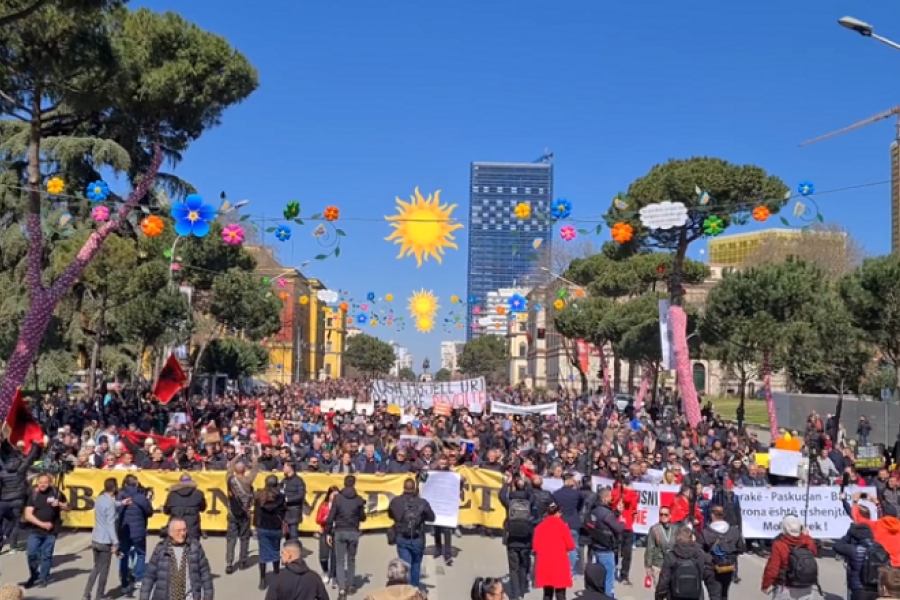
826 245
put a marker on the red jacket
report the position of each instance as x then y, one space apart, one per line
887 533
322 514
629 499
681 508
778 560
552 544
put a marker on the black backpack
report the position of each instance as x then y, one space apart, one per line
875 558
802 570
542 502
410 525
686 580
519 518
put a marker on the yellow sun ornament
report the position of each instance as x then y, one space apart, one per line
423 304
423 227
424 324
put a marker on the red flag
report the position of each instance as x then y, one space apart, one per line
262 434
23 427
139 439
171 380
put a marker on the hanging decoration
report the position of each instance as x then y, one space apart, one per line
454 299
806 188
423 304
56 186
282 283
362 319
343 306
283 233
619 203
100 214
388 297
517 303
424 324
622 233
559 304
292 210
562 208
304 300
175 266
364 306
423 227
192 217
284 296
523 210
761 214
370 296
332 213
97 191
713 225
152 226
562 293
233 234
501 310
567 233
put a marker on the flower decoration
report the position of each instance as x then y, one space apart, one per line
283 233
523 210
806 188
370 296
192 217
100 214
537 307
516 303
362 319
761 213
579 292
476 310
285 296
373 322
496 325
233 234
562 208
364 306
266 280
292 210
389 297
622 232
459 325
473 299
562 292
454 299
343 307
332 213
568 233
559 304
97 191
350 321
56 185
319 231
304 300
661 269
282 283
501 310
713 226
152 226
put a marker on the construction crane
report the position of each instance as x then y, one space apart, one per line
895 166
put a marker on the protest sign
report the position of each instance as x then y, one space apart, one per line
500 408
344 404
785 463
469 393
441 489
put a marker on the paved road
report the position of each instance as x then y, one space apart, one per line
475 556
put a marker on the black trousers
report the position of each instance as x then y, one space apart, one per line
10 515
724 580
624 555
554 594
100 571
519 560
238 529
443 542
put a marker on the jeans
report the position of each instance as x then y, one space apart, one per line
573 554
238 529
293 531
607 558
40 555
863 440
724 580
326 558
519 560
625 550
100 572
346 543
412 552
133 550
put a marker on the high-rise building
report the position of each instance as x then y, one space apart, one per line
502 246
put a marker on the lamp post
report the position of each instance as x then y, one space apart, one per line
866 30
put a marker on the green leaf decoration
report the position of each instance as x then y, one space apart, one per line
244 218
785 222
298 221
337 251
321 256
145 210
820 217
340 232
584 232
271 229
316 216
598 229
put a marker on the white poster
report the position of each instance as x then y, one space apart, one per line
545 410
365 408
469 393
344 404
785 463
665 337
441 489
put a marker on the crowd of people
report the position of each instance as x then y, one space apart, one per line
552 538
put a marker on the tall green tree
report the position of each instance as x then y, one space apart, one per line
486 356
443 375
732 192
235 357
369 355
585 319
407 374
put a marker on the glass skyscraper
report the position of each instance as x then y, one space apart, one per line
501 246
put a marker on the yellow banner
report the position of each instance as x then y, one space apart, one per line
479 496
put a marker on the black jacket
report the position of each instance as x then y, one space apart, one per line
602 517
398 506
542 500
569 501
186 501
297 582
517 543
852 548
687 551
347 511
14 476
594 583
294 490
731 542
268 515
157 575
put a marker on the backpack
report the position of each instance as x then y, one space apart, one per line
542 502
802 570
722 556
875 558
518 518
686 584
410 525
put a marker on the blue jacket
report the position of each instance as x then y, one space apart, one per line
133 518
570 502
852 548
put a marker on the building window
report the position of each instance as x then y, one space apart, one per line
328 369
523 349
329 322
700 377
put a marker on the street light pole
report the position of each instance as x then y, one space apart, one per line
866 30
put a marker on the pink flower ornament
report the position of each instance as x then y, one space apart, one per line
567 233
100 214
233 234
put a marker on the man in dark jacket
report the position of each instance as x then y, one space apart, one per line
178 567
605 531
132 532
594 583
410 512
570 501
519 534
684 564
294 489
186 501
399 464
348 511
296 581
853 548
14 489
240 501
542 498
724 543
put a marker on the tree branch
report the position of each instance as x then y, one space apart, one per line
95 241
22 13
15 103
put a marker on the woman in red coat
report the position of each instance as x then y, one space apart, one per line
552 544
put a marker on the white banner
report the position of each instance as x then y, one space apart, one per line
469 393
441 489
545 410
344 404
665 337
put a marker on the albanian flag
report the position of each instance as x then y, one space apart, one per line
171 380
22 425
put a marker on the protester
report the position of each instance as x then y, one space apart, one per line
887 533
518 529
625 501
685 571
570 501
443 536
487 588
43 510
186 501
294 489
605 531
399 586
791 571
889 583
14 489
104 539
660 540
410 512
268 519
864 558
683 505
240 501
594 583
296 581
552 545
178 568
132 532
348 512
327 561
724 544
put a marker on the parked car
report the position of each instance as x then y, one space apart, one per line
624 402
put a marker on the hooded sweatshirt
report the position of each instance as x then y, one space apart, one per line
887 533
594 583
347 511
297 582
186 501
728 539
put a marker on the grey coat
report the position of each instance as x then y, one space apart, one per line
155 585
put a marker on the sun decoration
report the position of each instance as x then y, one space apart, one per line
97 191
423 227
559 304
152 226
233 234
424 324
454 299
761 213
523 210
562 208
304 300
192 217
283 233
713 226
292 210
56 185
388 297
517 303
567 233
622 232
423 304
806 188
332 213
100 214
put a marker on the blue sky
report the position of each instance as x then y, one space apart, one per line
360 102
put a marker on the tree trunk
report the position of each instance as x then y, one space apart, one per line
689 400
648 374
654 393
95 351
770 402
617 373
630 388
741 410
607 388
